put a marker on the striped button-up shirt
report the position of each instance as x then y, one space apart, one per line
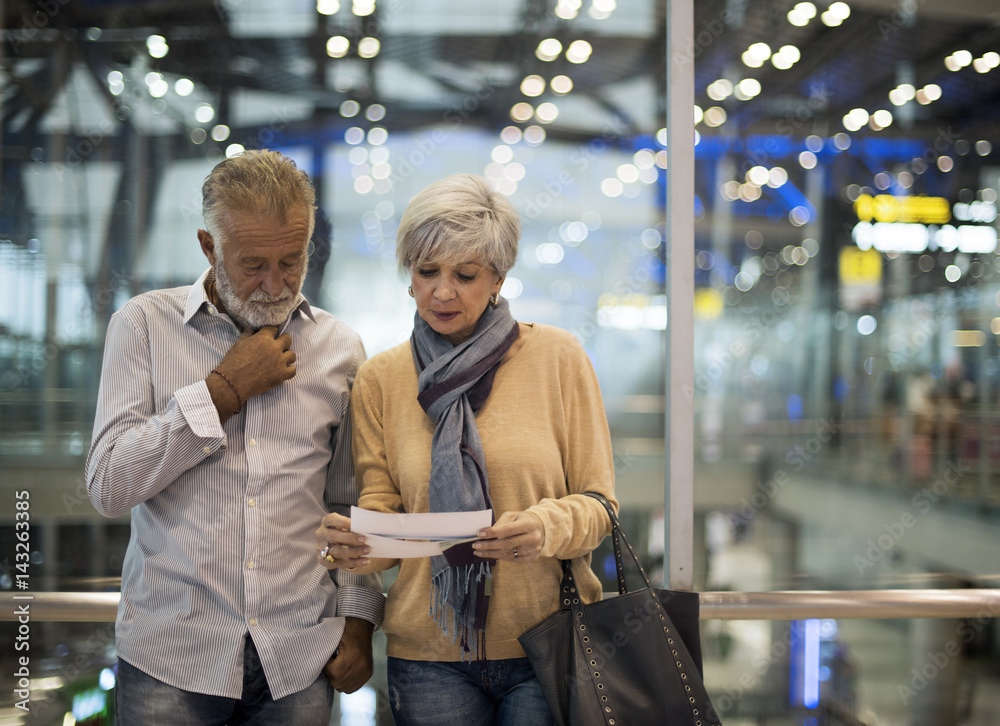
223 515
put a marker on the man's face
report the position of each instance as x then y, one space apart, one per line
260 272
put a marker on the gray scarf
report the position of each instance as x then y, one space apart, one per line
454 382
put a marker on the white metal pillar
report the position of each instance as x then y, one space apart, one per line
678 569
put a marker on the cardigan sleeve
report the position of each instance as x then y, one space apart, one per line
378 491
575 524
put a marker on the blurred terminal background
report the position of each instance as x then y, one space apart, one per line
846 303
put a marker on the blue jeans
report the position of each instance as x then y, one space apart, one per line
141 700
430 693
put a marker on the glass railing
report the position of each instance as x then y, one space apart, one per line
810 658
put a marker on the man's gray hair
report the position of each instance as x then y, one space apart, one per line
458 218
256 182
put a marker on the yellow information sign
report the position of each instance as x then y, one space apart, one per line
860 267
887 208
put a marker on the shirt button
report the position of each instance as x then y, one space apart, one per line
207 449
250 565
253 442
253 621
251 502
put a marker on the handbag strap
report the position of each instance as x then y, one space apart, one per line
617 538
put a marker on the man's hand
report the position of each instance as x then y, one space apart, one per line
351 666
256 363
259 361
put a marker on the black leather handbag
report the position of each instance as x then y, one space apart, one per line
631 660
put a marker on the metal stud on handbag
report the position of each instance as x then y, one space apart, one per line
629 660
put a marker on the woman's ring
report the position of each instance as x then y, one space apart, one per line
325 554
515 553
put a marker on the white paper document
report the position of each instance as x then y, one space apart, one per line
417 535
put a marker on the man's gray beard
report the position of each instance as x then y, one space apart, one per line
248 315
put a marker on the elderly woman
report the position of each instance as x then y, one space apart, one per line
477 411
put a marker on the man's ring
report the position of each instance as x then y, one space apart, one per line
325 554
515 553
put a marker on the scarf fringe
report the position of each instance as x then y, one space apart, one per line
468 622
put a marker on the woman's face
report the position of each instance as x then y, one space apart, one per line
451 298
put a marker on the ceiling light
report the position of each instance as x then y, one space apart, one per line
157 46
204 113
715 116
502 154
547 112
548 50
644 159
777 177
511 135
612 187
337 46
522 111
533 86
357 155
534 135
801 14
561 85
579 51
758 176
807 9
363 8
760 51
567 10
882 117
369 47
786 57
747 89
628 173
840 10
720 89
962 58
515 171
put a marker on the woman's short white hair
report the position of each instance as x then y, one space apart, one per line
458 218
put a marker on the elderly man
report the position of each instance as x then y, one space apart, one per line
223 424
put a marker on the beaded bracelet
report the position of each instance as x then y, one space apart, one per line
239 398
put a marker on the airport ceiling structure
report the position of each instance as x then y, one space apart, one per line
87 80
281 49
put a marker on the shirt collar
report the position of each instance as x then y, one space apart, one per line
197 297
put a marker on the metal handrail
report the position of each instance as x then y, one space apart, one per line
99 607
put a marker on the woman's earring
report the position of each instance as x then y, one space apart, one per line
494 299
410 290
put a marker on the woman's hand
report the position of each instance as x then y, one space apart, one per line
338 546
516 537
